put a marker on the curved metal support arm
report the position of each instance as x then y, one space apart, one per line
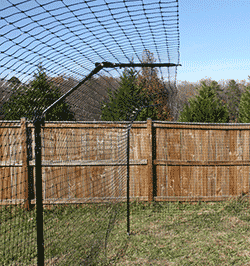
92 73
98 67
120 65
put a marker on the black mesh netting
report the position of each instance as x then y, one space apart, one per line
65 163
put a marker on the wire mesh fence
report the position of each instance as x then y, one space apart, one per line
62 188
75 79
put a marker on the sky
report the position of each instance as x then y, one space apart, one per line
214 40
70 36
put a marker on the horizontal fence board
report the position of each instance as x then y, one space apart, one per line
118 200
74 200
73 163
190 199
132 162
201 163
201 126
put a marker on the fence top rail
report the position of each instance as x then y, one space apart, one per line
76 124
136 124
203 126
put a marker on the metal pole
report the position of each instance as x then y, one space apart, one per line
112 65
128 213
39 191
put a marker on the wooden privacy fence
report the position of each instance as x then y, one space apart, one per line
168 161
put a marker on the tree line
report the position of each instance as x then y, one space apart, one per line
212 104
136 95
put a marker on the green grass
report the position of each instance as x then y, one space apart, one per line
161 234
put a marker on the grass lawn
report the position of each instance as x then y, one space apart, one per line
161 234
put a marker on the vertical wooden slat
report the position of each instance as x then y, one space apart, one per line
25 163
5 157
212 156
232 157
134 180
173 153
78 182
108 172
7 183
58 149
3 196
7 177
149 144
87 185
196 182
49 183
246 157
186 175
215 140
239 169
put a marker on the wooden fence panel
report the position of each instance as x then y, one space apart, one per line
79 161
12 178
138 173
203 149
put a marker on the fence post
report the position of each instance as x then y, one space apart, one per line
39 191
25 164
149 149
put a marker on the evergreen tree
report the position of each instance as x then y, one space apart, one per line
244 107
127 100
154 87
233 93
214 85
205 107
33 99
14 80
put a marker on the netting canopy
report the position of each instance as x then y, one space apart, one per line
89 69
67 39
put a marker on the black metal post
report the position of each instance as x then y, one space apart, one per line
128 213
39 191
